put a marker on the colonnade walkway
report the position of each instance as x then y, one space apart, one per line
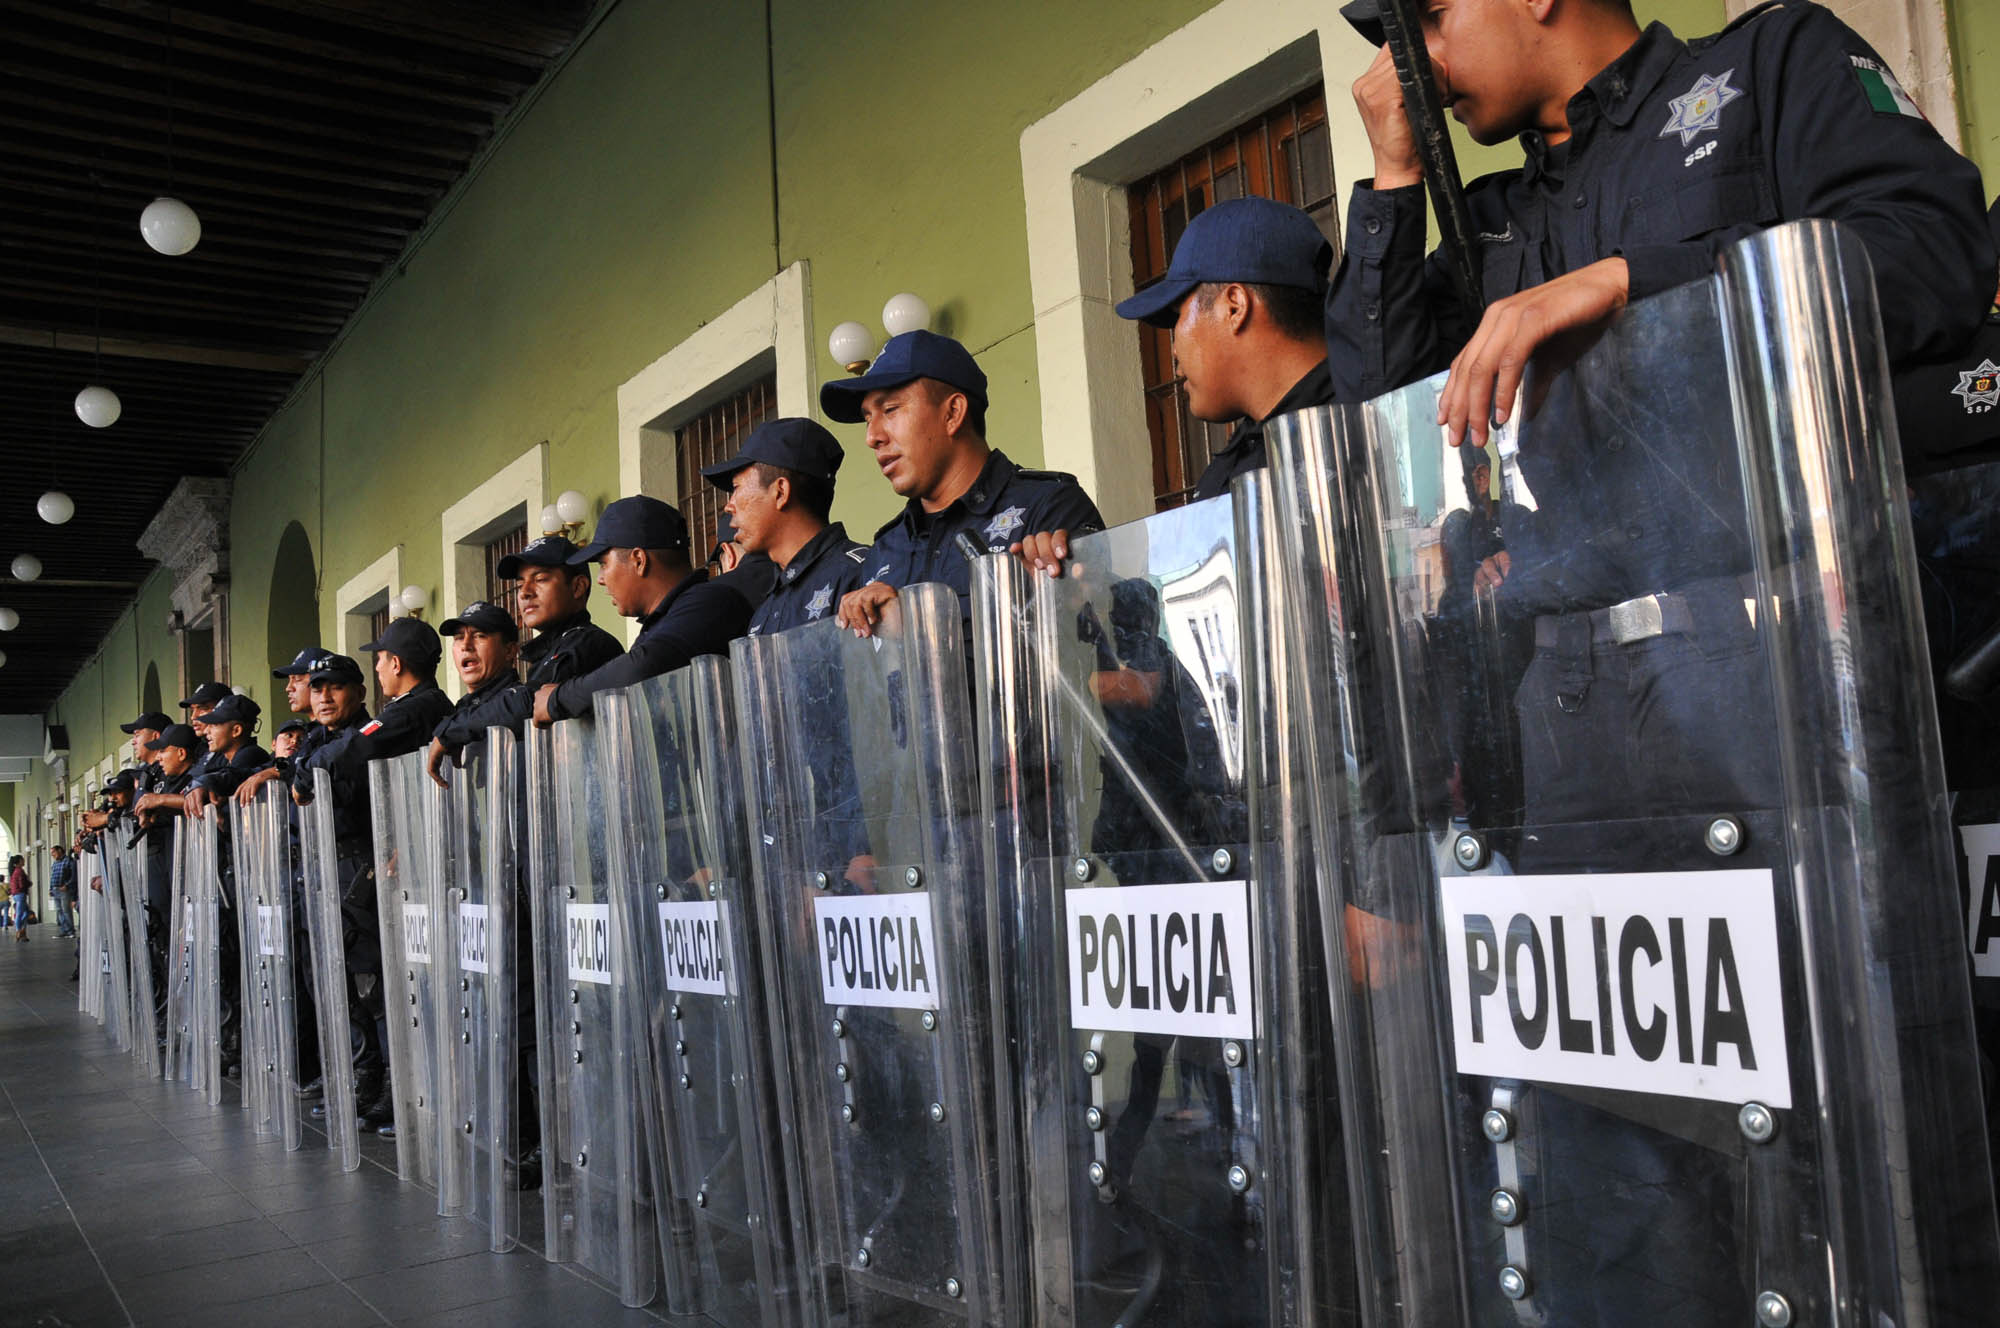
124 1201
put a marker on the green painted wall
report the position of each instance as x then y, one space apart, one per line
1975 45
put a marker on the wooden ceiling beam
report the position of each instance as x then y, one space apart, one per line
475 27
169 352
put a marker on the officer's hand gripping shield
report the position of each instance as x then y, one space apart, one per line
409 874
682 868
323 887
597 1203
865 823
266 890
479 1152
1650 986
1158 975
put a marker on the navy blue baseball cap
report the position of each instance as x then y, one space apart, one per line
794 444
176 735
1365 17
481 616
335 668
905 359
122 782
208 694
302 662
152 719
638 522
548 551
293 726
410 639
1257 241
233 709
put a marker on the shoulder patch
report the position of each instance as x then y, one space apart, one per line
1879 85
858 556
371 726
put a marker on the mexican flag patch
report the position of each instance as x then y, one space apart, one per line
1884 93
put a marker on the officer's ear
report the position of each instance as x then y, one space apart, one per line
1233 304
956 409
642 562
780 489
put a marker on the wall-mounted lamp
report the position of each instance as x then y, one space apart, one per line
852 345
566 515
412 601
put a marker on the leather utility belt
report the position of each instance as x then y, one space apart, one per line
1641 618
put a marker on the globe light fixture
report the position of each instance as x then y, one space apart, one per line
852 346
27 567
413 600
572 507
9 620
55 507
3 659
905 313
99 407
170 226
551 520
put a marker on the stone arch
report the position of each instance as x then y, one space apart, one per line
291 612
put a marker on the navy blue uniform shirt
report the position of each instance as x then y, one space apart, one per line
809 587
494 701
224 775
1677 150
1245 449
697 617
1005 504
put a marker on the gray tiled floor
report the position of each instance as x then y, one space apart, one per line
124 1201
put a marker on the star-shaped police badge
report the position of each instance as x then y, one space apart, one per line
821 601
1979 388
1003 526
1699 110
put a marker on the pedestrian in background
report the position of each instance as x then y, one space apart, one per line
62 889
17 895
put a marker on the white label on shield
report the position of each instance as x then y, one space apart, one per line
269 941
877 950
691 940
1650 982
417 933
1982 922
1172 959
590 943
472 938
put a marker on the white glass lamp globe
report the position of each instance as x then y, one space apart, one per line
551 520
170 226
55 507
27 567
3 659
905 313
99 407
413 599
572 507
9 620
852 346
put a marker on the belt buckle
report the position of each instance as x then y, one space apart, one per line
1637 620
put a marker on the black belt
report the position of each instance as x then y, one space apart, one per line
1641 618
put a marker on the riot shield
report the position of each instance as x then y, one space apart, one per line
130 864
108 912
481 1128
409 871
590 1044
264 900
866 829
204 882
320 883
183 981
681 869
89 945
1160 975
1650 979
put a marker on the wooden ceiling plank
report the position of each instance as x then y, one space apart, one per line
118 348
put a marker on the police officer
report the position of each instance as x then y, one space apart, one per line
484 645
285 742
232 754
297 677
752 575
204 699
780 488
1245 296
642 546
148 779
924 402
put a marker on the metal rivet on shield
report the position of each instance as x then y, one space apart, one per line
570 888
675 1009
1724 836
930 1021
840 1071
847 1112
686 1082
820 880
937 1113
1082 870
1232 1054
414 1023
1239 1178
1097 1173
468 1127
1497 1125
913 877
1756 1122
1221 860
660 891
680 1047
1469 851
466 1038
576 1027
1513 1283
409 977
579 1055
701 1197
406 895
413 998
1506 1209
1092 1062
420 1099
582 1159
839 1029
952 1288
465 984
465 1012
575 996
1773 1310
861 1259
1093 1117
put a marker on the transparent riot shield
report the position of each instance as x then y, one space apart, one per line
204 884
590 1044
409 871
131 877
265 887
1159 975
100 880
89 945
320 882
1652 988
681 867
858 758
182 980
480 1142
